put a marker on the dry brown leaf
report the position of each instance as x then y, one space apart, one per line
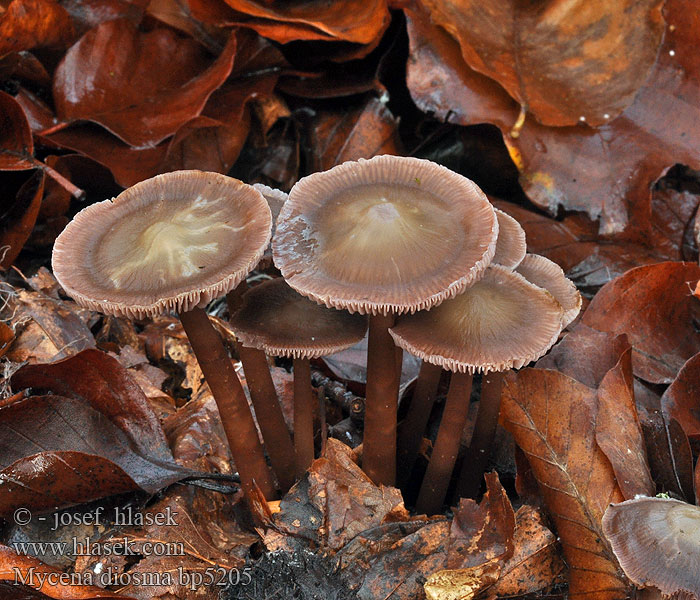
681 399
461 584
553 419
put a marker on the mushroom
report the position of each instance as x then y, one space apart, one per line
502 321
510 251
263 395
281 322
384 236
173 243
657 543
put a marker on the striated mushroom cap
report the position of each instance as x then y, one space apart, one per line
549 275
275 318
388 234
275 200
511 245
172 242
657 543
502 321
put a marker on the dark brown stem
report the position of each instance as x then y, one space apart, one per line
235 414
303 415
267 408
412 427
477 455
379 445
437 478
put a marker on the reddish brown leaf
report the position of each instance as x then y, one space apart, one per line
16 144
18 220
606 172
348 135
619 433
98 380
536 562
653 305
194 17
681 401
562 63
156 81
358 21
553 419
48 582
27 24
7 336
87 14
585 354
482 532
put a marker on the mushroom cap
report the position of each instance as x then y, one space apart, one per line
275 200
511 245
502 321
275 318
657 543
388 234
549 275
172 242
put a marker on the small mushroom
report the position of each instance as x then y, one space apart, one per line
511 248
281 322
657 543
384 236
502 321
173 243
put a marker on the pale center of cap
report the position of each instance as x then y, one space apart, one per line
168 242
685 522
379 232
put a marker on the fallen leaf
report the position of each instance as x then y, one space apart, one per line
87 14
57 452
482 533
19 217
618 432
606 172
680 400
563 62
654 306
553 419
16 144
461 584
339 136
536 562
156 81
357 21
48 582
27 24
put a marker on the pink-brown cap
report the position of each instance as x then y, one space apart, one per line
172 242
657 543
510 246
502 321
549 275
275 200
388 234
275 318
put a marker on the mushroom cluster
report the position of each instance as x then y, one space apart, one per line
444 276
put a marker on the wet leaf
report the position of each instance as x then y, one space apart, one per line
559 61
606 172
553 419
618 432
87 14
348 135
536 562
654 307
15 567
27 24
16 144
681 401
357 21
19 217
461 584
155 82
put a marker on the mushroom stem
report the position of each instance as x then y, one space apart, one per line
412 428
234 412
303 416
437 478
477 454
265 403
379 445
